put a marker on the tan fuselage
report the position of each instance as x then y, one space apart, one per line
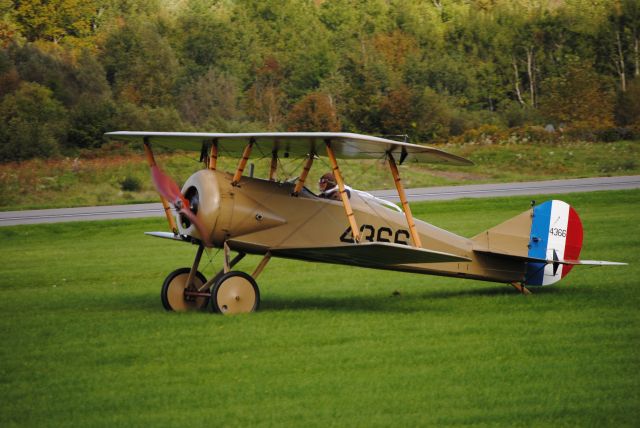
258 215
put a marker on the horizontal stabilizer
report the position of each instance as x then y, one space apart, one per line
368 254
552 261
593 263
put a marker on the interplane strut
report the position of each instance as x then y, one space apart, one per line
303 176
243 162
274 165
213 155
415 237
343 193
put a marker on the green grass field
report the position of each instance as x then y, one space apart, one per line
85 341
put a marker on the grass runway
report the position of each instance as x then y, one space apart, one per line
85 341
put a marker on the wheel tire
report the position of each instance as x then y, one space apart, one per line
235 293
172 292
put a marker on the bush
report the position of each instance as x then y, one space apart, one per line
609 135
131 184
534 133
485 134
465 120
628 105
515 115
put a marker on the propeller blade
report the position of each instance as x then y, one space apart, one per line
171 192
165 185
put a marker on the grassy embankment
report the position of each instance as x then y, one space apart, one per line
84 182
87 343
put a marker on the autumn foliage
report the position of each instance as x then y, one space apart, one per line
579 97
314 112
432 70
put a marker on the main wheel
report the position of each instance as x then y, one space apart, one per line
173 288
235 293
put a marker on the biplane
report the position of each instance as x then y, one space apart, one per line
263 216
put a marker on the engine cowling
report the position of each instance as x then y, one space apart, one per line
202 190
227 211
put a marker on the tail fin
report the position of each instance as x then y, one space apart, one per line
547 237
556 234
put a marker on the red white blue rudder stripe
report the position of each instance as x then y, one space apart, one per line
556 234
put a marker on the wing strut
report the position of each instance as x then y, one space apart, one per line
243 162
405 204
343 192
167 209
213 155
274 165
303 176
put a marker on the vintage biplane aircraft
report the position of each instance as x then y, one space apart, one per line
263 216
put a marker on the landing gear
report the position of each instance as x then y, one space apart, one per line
177 296
235 293
230 292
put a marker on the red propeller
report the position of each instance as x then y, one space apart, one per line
171 192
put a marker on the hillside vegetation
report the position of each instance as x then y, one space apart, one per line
437 70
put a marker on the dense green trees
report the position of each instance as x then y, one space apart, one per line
71 70
33 122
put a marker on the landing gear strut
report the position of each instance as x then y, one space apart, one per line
230 292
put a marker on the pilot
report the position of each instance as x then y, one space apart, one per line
329 188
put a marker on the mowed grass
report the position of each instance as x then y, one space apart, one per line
85 341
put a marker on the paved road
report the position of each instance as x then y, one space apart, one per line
514 189
11 218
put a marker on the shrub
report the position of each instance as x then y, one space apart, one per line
131 184
514 115
485 134
628 105
609 135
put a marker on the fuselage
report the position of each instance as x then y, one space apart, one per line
257 215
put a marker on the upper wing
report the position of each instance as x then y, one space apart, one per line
367 254
344 145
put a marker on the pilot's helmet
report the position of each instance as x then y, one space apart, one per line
327 181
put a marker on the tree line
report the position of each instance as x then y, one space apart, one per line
432 69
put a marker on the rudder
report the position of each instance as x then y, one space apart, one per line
556 234
551 231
